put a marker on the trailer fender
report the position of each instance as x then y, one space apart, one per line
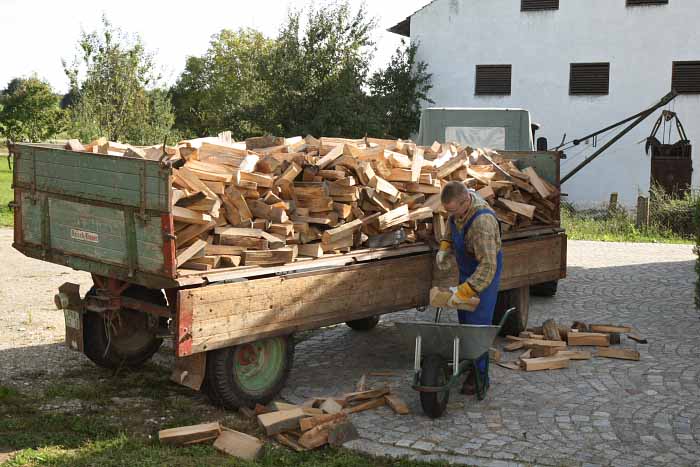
189 371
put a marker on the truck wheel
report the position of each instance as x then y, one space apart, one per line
129 341
364 324
434 373
517 322
545 289
248 374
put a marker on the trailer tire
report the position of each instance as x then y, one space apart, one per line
434 372
130 351
248 374
517 322
545 289
364 324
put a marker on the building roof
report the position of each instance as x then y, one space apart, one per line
403 28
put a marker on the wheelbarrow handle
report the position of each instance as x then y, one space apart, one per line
506 315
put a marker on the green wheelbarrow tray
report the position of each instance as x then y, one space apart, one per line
463 343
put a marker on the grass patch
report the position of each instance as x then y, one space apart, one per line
6 194
78 422
615 226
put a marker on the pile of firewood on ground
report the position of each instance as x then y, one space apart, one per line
270 201
547 347
316 423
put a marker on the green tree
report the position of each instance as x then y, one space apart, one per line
114 89
398 91
224 89
29 110
318 70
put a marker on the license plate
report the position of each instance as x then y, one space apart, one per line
72 319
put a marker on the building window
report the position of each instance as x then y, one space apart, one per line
646 2
589 79
537 5
493 80
686 77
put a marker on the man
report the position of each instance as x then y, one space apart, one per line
474 236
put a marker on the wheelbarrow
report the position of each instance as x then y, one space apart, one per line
438 347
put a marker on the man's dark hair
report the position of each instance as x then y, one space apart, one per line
453 191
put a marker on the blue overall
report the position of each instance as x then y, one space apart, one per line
467 266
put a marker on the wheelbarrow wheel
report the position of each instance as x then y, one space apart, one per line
248 374
434 373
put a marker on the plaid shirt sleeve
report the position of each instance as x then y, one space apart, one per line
485 239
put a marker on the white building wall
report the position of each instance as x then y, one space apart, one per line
640 43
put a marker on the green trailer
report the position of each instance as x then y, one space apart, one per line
231 328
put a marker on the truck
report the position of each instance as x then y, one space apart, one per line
232 329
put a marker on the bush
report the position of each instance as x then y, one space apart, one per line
675 214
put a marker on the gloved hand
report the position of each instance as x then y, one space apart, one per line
462 297
443 256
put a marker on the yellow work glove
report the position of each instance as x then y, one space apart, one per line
443 256
461 297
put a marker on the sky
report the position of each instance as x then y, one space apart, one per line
36 35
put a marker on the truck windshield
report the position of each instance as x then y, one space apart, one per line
477 137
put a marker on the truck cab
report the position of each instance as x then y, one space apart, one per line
499 129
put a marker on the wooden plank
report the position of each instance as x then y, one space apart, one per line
369 405
186 434
239 445
589 338
189 216
184 255
192 231
574 354
268 257
382 186
621 354
545 363
396 404
307 424
331 157
394 217
312 250
537 183
244 311
525 210
278 422
609 329
365 395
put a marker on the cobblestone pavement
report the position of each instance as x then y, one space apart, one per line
598 412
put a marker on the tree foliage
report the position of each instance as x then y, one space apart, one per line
318 71
313 78
398 91
29 110
114 90
224 89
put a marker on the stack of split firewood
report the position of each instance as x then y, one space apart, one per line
268 200
547 347
319 422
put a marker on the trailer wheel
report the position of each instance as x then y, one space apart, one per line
545 289
517 322
129 341
364 324
249 374
434 373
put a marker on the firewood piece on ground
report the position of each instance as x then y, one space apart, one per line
545 363
239 445
187 434
621 354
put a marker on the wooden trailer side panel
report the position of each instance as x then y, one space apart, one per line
525 262
219 316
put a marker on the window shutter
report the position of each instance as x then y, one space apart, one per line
686 77
589 79
646 2
493 80
536 5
